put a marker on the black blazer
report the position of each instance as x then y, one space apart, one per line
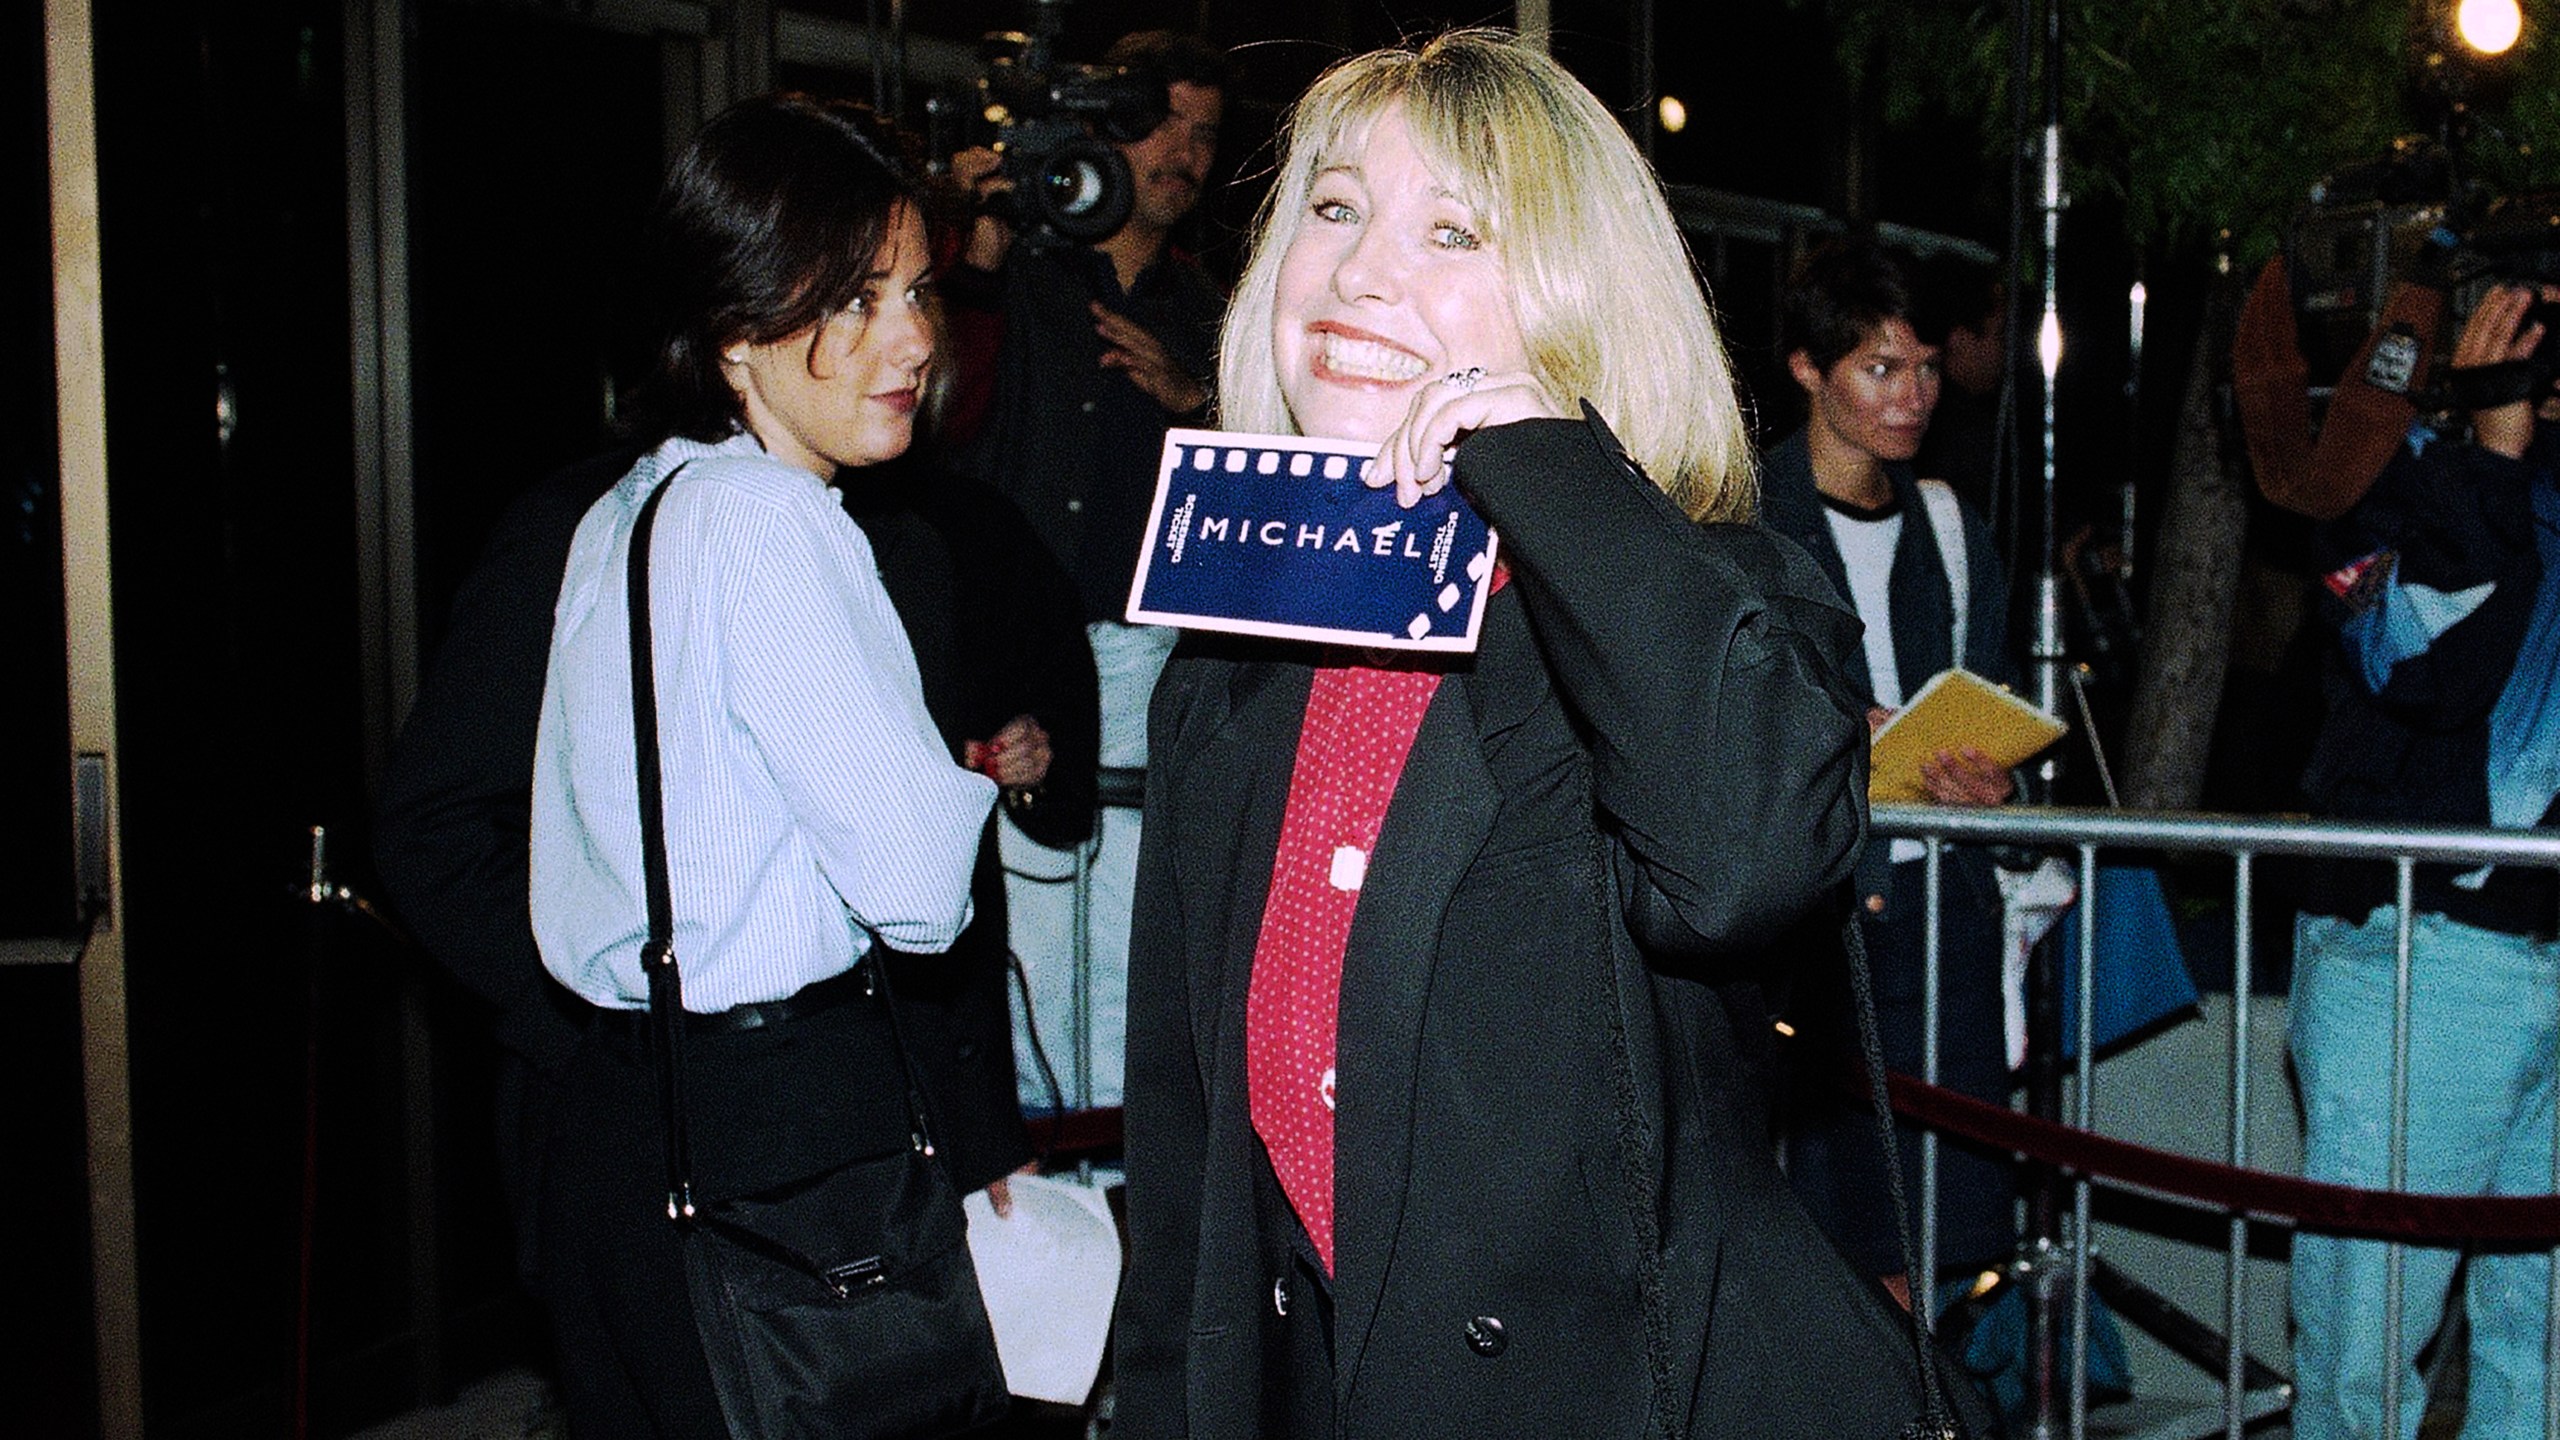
1616 820
1924 614
992 618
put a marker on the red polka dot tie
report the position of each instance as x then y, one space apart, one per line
1359 727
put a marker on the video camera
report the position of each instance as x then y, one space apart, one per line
1055 125
2515 242
2405 218
2342 344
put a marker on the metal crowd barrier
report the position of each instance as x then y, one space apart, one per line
1115 788
2244 840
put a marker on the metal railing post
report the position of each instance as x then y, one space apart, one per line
1080 955
2395 1258
2551 1304
2084 1111
2245 839
2235 1283
1924 1286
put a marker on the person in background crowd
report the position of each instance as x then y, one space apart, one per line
2444 698
992 619
1071 362
1006 677
1450 983
1918 566
812 813
1963 299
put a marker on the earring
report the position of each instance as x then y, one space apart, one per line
734 357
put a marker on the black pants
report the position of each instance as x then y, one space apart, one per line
766 1107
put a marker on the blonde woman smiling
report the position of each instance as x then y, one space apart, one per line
1465 1132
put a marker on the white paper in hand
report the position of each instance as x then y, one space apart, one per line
1049 1272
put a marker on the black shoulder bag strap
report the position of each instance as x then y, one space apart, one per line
1934 1422
658 953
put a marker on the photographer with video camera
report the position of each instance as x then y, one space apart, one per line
2444 586
1081 334
1077 350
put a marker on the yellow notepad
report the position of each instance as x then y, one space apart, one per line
1955 710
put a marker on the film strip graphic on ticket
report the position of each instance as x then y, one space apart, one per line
1279 535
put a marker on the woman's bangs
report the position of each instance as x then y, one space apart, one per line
1336 132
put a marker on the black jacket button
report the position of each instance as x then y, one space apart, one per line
1485 1337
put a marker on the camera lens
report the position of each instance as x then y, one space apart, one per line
1075 187
1084 191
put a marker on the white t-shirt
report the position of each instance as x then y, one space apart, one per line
1866 554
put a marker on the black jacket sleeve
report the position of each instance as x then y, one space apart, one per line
452 828
1706 666
1022 623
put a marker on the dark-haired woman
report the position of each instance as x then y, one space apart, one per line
1918 566
809 803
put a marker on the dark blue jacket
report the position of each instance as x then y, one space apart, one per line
2449 516
1923 610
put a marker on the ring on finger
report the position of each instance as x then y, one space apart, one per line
1464 381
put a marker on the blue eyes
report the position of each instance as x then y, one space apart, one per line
1445 234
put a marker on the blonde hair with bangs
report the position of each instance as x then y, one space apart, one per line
1609 306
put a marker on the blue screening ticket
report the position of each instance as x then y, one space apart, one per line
1279 535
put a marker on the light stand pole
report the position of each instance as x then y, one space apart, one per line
2044 1252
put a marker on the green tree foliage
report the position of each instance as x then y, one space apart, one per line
2207 116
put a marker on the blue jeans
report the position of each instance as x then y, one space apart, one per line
1041 902
2481 1037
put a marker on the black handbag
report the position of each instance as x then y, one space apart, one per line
842 1306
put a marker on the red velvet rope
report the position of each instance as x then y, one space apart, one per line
1077 1134
2330 1209
2314 1205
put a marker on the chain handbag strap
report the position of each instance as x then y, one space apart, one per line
1934 1422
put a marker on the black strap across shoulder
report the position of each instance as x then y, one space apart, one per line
658 953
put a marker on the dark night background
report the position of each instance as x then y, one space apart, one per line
534 141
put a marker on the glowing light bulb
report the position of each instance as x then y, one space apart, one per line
1675 116
2049 345
2489 26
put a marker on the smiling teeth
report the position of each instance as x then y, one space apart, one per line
1369 360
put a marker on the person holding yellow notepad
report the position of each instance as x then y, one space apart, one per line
1921 572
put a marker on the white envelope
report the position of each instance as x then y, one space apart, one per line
1050 1272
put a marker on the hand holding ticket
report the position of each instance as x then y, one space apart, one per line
1277 535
